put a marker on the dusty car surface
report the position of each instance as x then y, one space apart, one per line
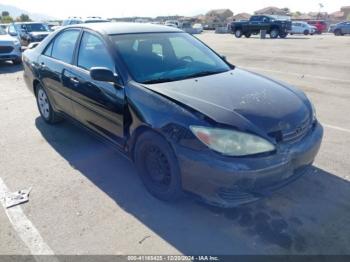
189 120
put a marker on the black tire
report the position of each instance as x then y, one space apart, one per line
238 33
48 114
274 33
158 167
306 32
17 61
337 32
247 35
283 35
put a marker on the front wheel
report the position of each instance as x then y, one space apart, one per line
283 35
274 33
44 106
158 166
337 32
238 33
306 32
17 61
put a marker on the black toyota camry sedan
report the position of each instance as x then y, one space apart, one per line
190 120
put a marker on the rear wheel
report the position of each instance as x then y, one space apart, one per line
274 33
283 35
44 106
247 35
238 33
158 166
337 32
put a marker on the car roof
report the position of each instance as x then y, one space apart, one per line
28 23
115 28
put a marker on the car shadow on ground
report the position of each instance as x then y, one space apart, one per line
7 67
310 216
289 37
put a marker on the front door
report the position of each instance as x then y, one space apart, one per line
98 105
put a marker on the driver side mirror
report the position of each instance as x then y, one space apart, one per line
12 33
224 57
103 74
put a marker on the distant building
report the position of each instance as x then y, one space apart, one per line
271 10
301 17
217 18
222 14
341 15
239 17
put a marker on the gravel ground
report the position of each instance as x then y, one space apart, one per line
87 199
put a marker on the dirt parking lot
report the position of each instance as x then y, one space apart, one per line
87 199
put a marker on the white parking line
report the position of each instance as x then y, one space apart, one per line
296 74
337 128
24 227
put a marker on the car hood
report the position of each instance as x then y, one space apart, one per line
7 39
39 33
243 100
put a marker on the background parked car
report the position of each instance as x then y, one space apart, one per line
79 20
302 28
4 26
321 26
340 28
29 32
10 48
198 27
187 27
172 23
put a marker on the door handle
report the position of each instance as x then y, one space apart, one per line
74 80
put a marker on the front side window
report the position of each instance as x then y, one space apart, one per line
64 44
12 30
93 53
162 57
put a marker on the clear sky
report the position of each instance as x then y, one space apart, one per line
119 8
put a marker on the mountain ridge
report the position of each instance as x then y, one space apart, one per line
16 12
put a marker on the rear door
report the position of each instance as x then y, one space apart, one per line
253 23
53 63
98 105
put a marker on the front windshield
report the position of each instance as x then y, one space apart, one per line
164 57
35 27
2 31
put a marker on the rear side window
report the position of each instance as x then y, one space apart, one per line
64 44
93 53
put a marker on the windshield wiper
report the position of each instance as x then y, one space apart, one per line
204 73
198 74
159 80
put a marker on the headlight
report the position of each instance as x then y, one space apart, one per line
230 142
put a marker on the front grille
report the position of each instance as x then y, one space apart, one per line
6 49
298 132
235 193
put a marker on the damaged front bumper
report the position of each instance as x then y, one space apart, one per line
229 181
